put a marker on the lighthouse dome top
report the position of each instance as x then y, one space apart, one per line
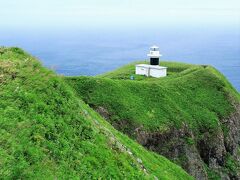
154 48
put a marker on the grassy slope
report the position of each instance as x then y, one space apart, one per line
193 95
47 132
196 95
124 72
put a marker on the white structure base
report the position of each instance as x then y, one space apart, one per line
151 70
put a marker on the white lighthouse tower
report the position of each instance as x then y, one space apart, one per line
152 69
154 55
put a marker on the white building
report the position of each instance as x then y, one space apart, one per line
153 69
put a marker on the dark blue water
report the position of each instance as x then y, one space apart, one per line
81 52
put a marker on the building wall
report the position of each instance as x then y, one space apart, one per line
158 72
142 71
153 72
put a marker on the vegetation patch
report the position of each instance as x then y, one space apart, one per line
47 132
177 116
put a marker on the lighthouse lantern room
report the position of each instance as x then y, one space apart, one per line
152 69
154 55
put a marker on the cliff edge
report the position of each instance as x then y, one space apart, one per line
192 116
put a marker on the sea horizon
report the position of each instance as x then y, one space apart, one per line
75 52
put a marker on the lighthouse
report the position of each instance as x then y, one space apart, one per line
154 55
152 69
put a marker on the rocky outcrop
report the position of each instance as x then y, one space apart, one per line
102 111
211 148
193 152
175 145
232 136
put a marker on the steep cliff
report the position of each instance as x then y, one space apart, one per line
191 117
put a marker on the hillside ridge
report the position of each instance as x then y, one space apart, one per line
47 132
191 116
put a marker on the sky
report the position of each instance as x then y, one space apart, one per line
116 13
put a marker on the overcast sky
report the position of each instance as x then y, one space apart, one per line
91 13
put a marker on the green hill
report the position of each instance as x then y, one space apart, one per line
192 116
47 132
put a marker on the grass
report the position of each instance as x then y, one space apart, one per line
126 71
47 132
193 94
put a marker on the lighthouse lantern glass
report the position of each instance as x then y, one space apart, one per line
154 49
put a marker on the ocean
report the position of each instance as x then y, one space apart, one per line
74 51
